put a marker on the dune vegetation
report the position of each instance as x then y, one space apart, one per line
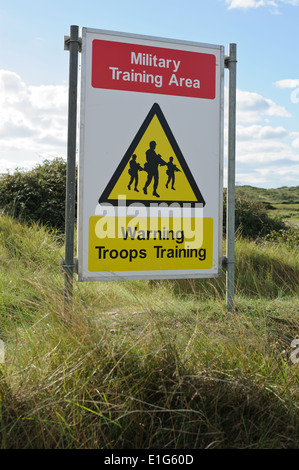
147 364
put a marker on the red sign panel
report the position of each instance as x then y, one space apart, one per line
147 69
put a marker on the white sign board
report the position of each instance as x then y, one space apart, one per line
150 161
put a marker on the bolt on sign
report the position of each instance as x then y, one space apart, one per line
150 159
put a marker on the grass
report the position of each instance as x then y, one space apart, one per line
289 213
281 202
283 195
146 364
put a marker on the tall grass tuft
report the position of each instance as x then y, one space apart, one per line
263 269
146 365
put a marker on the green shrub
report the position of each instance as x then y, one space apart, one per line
251 218
289 237
37 195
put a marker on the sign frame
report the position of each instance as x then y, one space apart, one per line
81 247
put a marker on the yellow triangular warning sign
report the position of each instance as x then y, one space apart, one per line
153 169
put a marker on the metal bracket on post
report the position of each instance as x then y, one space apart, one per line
229 60
68 40
69 268
72 44
230 63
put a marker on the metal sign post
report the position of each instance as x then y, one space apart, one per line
72 44
230 63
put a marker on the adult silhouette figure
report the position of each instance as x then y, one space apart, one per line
133 172
153 160
171 169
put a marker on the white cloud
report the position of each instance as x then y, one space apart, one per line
264 151
272 176
244 3
9 166
32 118
252 107
260 144
259 132
274 5
252 178
295 143
33 127
287 83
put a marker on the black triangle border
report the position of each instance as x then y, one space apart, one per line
155 110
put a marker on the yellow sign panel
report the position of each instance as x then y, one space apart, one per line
153 169
119 244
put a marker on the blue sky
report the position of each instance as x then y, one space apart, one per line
34 73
